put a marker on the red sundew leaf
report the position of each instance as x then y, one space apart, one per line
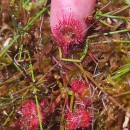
29 119
68 33
79 87
79 118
